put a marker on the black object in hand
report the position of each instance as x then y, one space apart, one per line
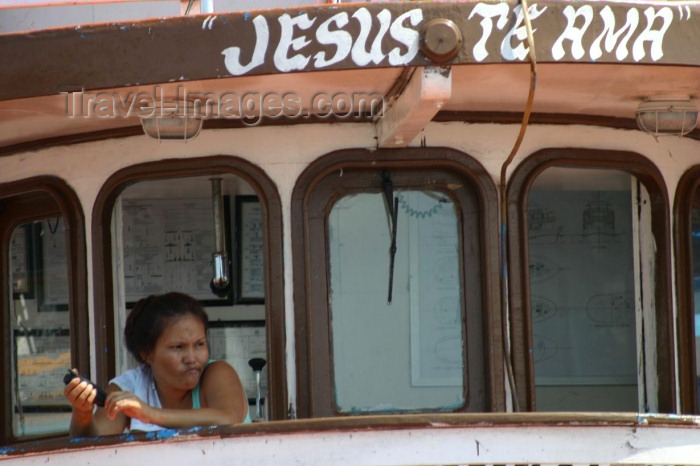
101 395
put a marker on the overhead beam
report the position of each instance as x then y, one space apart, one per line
409 112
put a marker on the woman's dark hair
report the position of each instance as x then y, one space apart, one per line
150 316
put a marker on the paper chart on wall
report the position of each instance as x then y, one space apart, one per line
168 246
54 270
252 273
436 319
582 287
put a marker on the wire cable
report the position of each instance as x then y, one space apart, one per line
504 209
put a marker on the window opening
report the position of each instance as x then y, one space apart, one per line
39 327
406 353
585 297
437 345
165 238
695 240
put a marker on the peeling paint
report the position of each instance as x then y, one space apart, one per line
164 434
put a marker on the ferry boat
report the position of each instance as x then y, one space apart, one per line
456 232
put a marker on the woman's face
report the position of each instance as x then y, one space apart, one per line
180 354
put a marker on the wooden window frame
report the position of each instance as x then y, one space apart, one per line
309 213
519 291
687 197
24 201
270 202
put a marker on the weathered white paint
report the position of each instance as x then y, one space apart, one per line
411 111
643 258
434 445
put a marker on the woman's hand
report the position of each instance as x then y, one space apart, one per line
128 404
85 420
81 395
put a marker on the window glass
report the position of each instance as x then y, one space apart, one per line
165 235
695 220
583 290
421 335
40 328
407 354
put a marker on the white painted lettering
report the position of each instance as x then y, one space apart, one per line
655 37
341 39
520 33
407 36
573 33
297 62
232 55
611 38
488 11
330 41
384 18
359 51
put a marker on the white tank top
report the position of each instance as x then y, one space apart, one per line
140 382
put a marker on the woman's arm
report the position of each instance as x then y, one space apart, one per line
222 390
222 396
85 420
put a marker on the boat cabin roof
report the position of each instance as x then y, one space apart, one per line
595 62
